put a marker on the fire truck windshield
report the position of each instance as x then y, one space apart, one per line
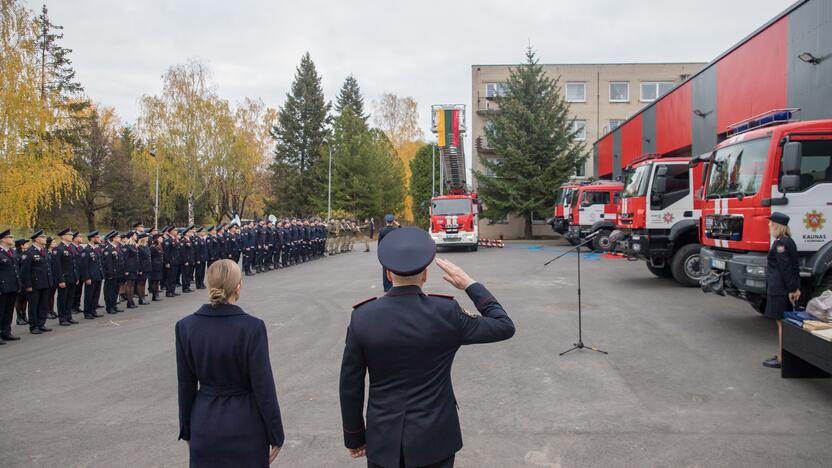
635 183
451 206
737 170
564 197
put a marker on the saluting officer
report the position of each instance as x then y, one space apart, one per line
37 279
20 247
113 265
389 227
77 247
200 257
172 261
782 276
92 274
157 261
407 341
67 276
186 251
9 285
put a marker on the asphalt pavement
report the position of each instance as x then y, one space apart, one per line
682 384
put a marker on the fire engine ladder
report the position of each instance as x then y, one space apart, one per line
452 156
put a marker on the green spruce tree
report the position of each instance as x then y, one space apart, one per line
299 135
350 97
533 135
56 72
421 186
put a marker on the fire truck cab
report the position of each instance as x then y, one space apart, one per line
563 203
594 209
658 216
769 163
453 220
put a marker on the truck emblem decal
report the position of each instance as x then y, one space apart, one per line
814 220
667 217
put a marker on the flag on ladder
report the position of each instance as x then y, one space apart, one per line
447 126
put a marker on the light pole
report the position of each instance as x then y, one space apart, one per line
156 205
329 186
433 171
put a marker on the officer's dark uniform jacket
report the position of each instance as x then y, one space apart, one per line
407 341
91 265
157 262
171 249
9 272
36 269
186 252
130 256
67 270
783 271
113 263
145 262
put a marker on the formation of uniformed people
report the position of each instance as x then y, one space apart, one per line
43 278
343 233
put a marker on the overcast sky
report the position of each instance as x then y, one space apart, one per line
417 48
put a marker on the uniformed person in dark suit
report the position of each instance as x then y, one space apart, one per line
113 272
9 285
782 276
188 258
20 248
157 262
407 341
172 261
77 249
389 219
66 274
92 274
145 266
37 280
200 257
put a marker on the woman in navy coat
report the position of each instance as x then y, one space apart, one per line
228 409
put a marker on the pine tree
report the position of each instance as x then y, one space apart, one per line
299 133
350 96
533 135
56 72
421 186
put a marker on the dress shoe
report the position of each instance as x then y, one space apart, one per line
64 323
2 343
9 337
248 273
176 294
143 302
44 329
35 331
131 305
73 321
773 363
89 317
22 322
52 315
76 311
96 315
111 311
117 309
169 295
156 298
187 291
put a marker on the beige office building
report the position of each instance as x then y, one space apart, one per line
601 96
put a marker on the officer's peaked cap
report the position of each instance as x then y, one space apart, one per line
779 218
37 234
407 251
64 232
5 234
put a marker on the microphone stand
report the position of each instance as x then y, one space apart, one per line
580 344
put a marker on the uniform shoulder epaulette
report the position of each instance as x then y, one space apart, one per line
364 302
441 295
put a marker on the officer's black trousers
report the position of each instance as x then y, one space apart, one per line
446 463
7 302
199 272
246 262
110 293
38 307
66 296
171 275
92 292
187 276
76 301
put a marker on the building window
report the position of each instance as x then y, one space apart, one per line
576 92
493 90
579 126
580 170
652 90
619 91
538 218
615 123
490 172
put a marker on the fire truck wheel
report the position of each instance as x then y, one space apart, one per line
685 265
661 272
474 248
572 241
602 241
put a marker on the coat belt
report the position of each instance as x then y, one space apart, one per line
223 390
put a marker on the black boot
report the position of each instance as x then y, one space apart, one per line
156 297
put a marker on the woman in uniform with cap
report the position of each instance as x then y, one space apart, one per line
145 267
157 261
130 254
228 409
782 277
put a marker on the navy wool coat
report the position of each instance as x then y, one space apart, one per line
228 407
407 341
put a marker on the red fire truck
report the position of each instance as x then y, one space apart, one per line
769 163
658 216
781 66
593 209
453 216
563 203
